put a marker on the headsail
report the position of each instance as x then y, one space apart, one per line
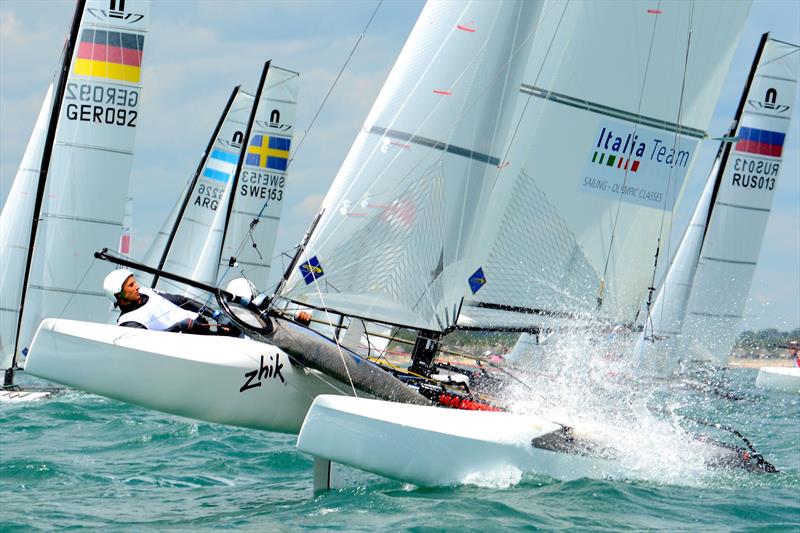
194 228
15 231
86 163
252 226
612 118
741 205
398 234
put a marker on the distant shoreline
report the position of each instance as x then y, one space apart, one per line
758 363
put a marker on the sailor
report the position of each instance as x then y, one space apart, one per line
141 307
793 353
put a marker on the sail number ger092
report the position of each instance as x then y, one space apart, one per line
100 104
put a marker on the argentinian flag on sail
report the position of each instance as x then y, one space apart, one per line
220 165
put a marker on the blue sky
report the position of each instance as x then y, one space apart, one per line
197 51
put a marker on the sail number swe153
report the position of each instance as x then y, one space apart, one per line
87 102
262 185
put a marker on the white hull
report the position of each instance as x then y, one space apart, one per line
433 446
23 395
779 378
210 378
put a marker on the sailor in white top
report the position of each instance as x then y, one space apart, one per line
141 307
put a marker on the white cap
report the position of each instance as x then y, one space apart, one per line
113 282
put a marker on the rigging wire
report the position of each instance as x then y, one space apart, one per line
535 84
257 218
625 179
335 81
334 337
670 181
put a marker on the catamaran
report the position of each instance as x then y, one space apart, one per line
709 278
82 143
502 182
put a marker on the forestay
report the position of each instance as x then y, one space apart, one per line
742 204
83 200
252 227
616 97
397 239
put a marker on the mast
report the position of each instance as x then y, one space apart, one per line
725 149
243 154
69 46
196 176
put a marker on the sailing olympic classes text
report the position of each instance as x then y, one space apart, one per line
752 174
105 105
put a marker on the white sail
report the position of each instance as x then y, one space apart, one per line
197 223
397 238
89 167
656 347
742 205
252 227
156 249
15 231
616 97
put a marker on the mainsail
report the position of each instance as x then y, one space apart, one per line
84 170
615 99
398 236
741 205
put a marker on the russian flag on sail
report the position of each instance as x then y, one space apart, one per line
761 142
110 54
220 166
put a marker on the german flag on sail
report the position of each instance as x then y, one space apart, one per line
110 54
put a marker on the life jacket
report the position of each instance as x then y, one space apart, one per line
157 313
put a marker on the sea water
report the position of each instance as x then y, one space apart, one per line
81 461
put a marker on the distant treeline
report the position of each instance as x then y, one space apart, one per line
765 343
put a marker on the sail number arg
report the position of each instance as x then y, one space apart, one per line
102 105
208 196
752 174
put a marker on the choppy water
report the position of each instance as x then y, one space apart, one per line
81 461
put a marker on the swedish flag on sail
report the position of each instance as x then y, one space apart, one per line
268 151
477 280
220 166
311 270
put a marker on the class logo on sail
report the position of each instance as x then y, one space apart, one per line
760 142
770 102
220 166
477 280
110 55
116 10
268 151
311 270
